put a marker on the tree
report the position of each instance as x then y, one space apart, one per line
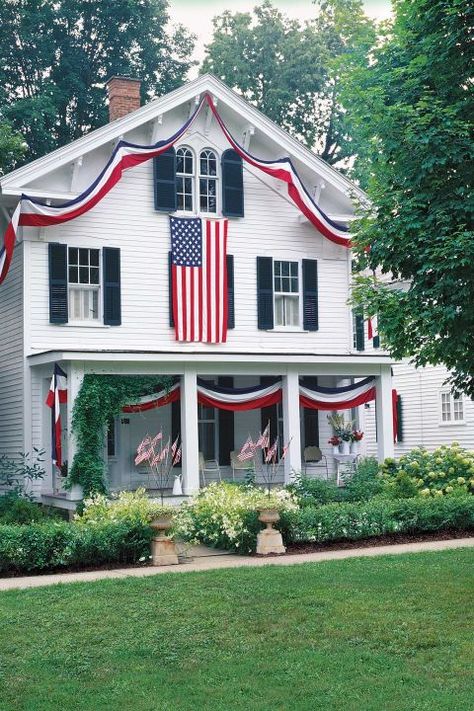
291 70
56 56
12 147
414 108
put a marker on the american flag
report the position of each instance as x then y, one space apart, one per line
264 439
199 279
247 451
272 452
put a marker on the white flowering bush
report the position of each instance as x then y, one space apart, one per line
135 506
226 515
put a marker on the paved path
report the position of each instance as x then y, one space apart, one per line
213 562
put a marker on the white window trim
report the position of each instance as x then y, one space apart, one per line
217 178
452 422
280 328
87 323
196 211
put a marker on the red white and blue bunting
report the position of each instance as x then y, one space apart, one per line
36 213
258 396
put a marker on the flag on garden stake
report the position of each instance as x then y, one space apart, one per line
264 439
247 451
271 453
199 279
57 394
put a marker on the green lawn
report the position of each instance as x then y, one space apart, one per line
363 634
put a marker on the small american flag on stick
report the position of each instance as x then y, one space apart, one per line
247 451
199 279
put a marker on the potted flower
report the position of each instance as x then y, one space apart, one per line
342 430
335 441
270 539
356 437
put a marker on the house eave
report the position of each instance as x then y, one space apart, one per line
13 183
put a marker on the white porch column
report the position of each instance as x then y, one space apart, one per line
291 424
75 376
384 413
189 432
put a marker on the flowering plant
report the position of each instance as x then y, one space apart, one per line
335 441
225 515
133 506
341 428
356 436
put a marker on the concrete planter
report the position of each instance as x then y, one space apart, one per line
163 548
269 540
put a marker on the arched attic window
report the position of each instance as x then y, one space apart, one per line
185 179
208 181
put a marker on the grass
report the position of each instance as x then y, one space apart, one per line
380 634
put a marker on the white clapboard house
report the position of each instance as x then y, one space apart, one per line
95 294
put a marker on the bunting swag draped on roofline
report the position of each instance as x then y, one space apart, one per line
36 213
343 398
256 397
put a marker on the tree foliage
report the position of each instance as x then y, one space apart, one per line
414 108
291 70
12 147
56 56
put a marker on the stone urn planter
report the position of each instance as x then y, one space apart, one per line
269 540
163 548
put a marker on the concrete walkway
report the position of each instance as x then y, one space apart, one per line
214 560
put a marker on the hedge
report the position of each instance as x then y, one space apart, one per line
378 517
42 547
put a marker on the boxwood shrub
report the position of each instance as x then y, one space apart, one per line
378 517
42 547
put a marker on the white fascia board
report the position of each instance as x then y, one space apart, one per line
111 131
346 364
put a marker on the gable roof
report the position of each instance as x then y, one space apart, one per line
14 182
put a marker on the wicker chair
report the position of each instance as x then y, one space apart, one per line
209 469
313 455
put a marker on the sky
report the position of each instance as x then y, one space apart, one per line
197 14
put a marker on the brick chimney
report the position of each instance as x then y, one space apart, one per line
124 96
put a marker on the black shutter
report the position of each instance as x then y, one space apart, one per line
269 414
359 332
226 426
230 292
376 341
310 294
399 419
112 296
164 181
232 184
265 292
170 290
310 417
57 254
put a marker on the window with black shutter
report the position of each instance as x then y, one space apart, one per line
399 407
164 181
310 294
58 280
265 292
232 184
112 296
310 428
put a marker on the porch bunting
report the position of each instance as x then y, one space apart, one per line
320 398
33 212
257 397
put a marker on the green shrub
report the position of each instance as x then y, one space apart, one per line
447 470
226 515
41 547
366 482
125 506
379 516
16 509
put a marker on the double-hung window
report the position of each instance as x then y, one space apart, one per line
83 284
208 181
286 293
452 408
185 179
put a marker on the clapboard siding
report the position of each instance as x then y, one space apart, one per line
420 390
11 359
126 219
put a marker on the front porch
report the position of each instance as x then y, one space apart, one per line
211 437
